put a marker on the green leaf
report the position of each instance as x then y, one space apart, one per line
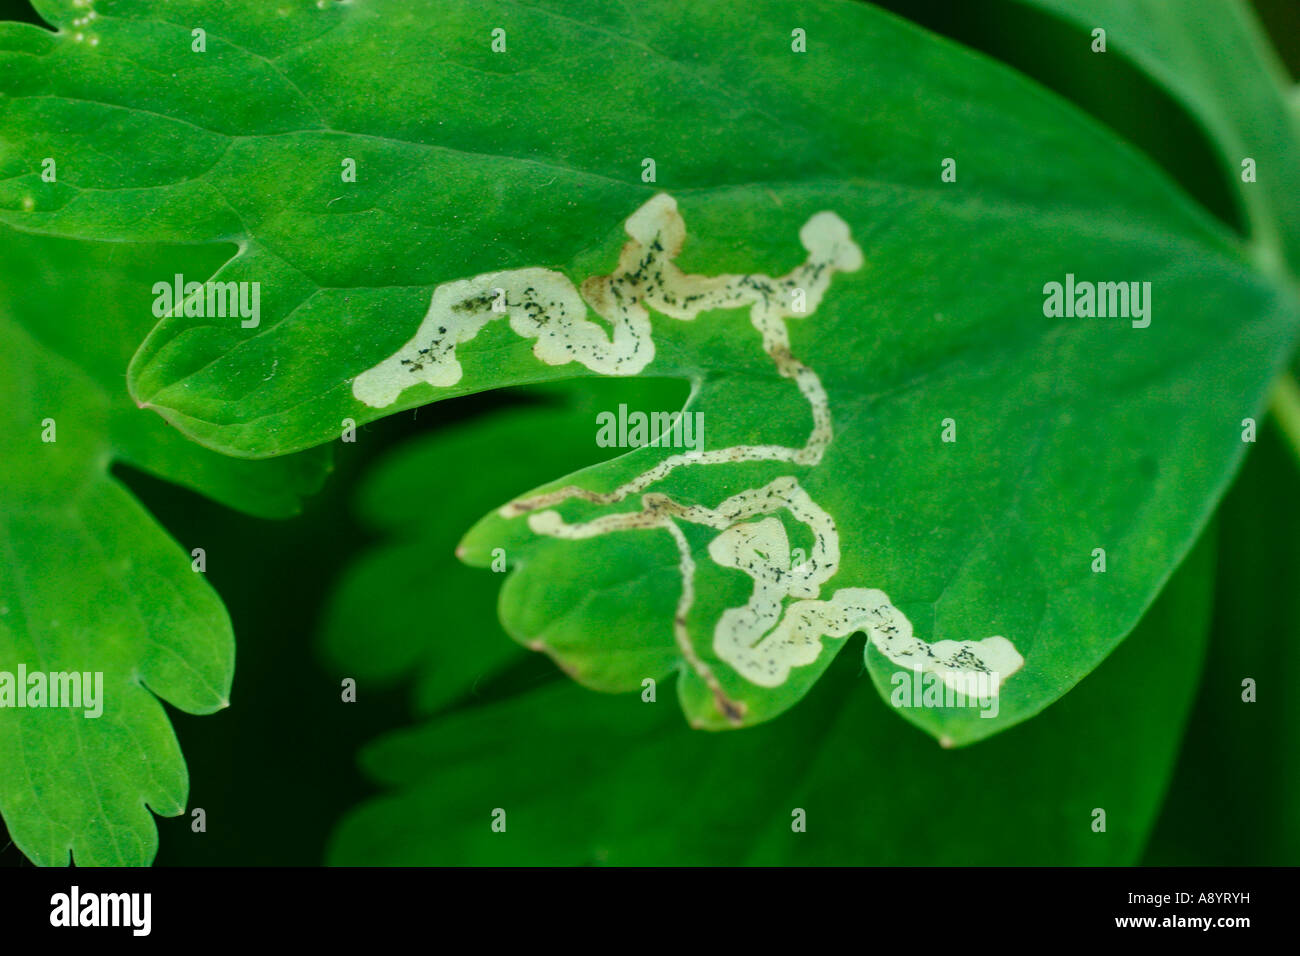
89 582
654 793
1072 434
1217 61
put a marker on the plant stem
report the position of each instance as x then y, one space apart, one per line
1284 403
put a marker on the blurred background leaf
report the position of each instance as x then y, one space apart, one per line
1235 800
588 778
1216 60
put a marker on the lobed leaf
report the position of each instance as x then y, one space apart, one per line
90 583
